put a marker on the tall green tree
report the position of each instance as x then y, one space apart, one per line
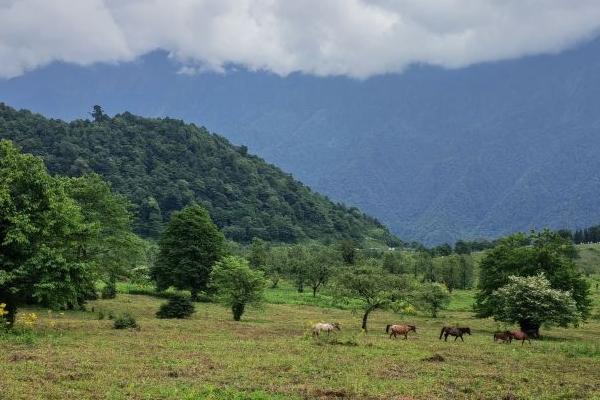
110 242
529 255
237 285
433 297
188 250
41 258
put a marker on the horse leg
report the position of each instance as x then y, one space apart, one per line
461 338
445 337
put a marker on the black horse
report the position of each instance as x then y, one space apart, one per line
454 331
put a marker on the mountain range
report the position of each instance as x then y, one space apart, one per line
435 154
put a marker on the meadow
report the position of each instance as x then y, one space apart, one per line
272 355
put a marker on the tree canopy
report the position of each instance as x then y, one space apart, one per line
162 165
544 252
189 248
237 285
42 237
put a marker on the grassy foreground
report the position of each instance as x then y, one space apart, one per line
271 355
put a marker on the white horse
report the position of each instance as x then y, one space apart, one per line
327 327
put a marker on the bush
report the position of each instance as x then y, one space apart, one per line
176 307
110 290
125 321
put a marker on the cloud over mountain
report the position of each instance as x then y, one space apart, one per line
357 38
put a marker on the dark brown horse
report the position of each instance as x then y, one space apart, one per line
457 332
400 330
505 337
520 335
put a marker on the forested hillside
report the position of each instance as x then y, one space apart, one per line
164 164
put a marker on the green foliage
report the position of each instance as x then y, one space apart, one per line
42 255
162 165
109 241
177 307
259 252
520 255
125 321
189 247
109 291
433 297
320 266
237 284
531 301
373 286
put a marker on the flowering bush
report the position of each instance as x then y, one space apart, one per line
531 301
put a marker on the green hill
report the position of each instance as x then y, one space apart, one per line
164 164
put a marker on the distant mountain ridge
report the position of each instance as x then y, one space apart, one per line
435 154
162 165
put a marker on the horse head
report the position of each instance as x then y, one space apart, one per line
337 326
467 330
413 328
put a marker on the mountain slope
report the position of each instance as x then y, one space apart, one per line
164 164
435 154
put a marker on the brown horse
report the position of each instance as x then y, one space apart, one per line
505 337
520 335
400 330
457 332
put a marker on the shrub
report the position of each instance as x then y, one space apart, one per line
125 321
110 290
176 307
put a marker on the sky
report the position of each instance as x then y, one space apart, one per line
354 38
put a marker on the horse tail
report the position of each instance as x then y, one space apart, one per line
442 332
387 328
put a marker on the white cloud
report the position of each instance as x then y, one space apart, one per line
358 38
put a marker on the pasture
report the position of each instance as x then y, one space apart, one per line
272 355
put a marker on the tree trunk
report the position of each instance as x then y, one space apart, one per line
315 288
237 310
194 295
530 328
366 316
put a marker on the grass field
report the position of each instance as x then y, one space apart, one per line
271 355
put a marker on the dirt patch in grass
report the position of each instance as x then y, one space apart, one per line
435 358
16 357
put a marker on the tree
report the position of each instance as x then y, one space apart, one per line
277 264
320 266
237 285
298 259
258 253
433 297
40 237
393 262
98 114
188 249
529 255
110 242
531 301
372 285
348 251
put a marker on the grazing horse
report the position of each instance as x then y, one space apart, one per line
505 337
327 327
520 335
456 332
400 330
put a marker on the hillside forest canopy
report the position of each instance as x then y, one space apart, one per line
162 165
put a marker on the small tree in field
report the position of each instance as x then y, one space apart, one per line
433 297
531 301
189 247
237 284
376 288
320 266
